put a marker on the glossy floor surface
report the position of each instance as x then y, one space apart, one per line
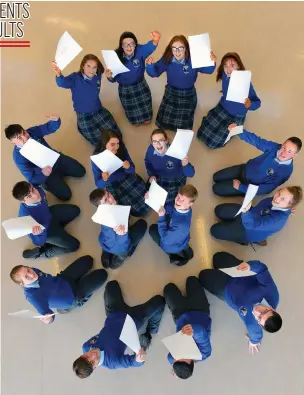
36 358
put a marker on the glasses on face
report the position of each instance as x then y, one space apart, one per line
158 142
178 49
130 45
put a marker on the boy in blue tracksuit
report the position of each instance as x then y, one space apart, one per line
256 224
69 289
192 316
268 171
117 244
172 233
254 298
105 349
49 236
52 178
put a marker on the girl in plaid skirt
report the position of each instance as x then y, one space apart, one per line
134 92
92 117
179 102
170 173
127 187
214 128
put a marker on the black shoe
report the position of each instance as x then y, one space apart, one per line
33 253
145 340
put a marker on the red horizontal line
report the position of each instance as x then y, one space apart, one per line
14 41
14 46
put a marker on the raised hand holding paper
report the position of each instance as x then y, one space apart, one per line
29 314
113 63
233 272
157 196
182 346
38 154
250 194
181 144
200 50
67 50
234 132
19 227
129 335
239 85
112 215
107 161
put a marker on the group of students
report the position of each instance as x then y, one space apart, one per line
254 298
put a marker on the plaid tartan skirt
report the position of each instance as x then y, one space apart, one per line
130 191
214 127
177 108
137 102
171 186
92 125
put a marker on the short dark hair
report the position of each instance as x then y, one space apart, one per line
82 367
296 141
14 274
12 131
21 190
97 195
183 370
273 323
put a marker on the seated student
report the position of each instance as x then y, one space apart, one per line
124 184
170 173
268 171
67 290
191 315
255 298
51 178
256 224
105 349
53 240
172 233
117 244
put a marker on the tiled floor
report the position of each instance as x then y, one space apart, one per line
37 359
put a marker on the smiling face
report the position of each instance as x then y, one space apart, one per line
32 197
93 356
159 142
21 138
288 151
113 145
128 46
90 68
183 202
230 65
178 50
282 198
262 313
27 275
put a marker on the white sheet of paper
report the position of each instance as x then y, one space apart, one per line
113 63
157 196
233 272
250 194
239 86
129 334
182 346
67 50
181 144
28 314
38 154
234 132
112 216
107 161
200 50
19 227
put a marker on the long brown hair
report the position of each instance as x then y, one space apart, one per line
228 55
100 68
168 51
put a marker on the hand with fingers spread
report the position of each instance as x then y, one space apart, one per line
247 103
253 348
46 171
187 330
56 69
155 37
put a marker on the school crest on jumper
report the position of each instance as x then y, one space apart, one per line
136 63
265 211
186 69
170 164
270 172
243 311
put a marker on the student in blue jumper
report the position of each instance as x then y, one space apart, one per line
255 298
52 178
191 315
170 173
92 117
133 90
67 290
105 349
256 224
124 184
214 127
53 240
117 244
268 171
180 99
172 233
